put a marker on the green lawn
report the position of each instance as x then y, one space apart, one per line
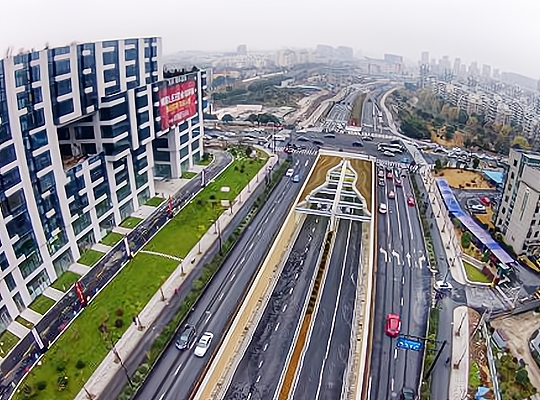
90 257
130 222
65 281
155 201
125 295
41 304
188 175
7 341
111 238
24 322
206 161
182 233
474 274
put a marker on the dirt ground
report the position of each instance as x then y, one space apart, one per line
487 217
457 177
518 330
477 353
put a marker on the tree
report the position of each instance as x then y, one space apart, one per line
466 240
475 162
438 165
253 118
227 118
521 142
450 130
522 377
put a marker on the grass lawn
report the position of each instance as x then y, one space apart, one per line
65 281
474 274
24 322
182 233
111 238
130 222
7 341
126 295
155 201
188 175
206 161
41 304
90 257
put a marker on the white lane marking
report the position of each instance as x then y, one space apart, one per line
402 301
395 354
403 280
221 296
265 346
306 163
250 246
296 276
162 396
369 386
242 260
385 254
396 254
177 370
284 308
266 220
290 291
392 385
249 396
272 209
258 379
313 229
260 363
277 327
208 317
233 276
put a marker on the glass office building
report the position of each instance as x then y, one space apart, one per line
84 131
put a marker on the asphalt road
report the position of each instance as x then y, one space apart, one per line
176 372
402 287
258 373
322 372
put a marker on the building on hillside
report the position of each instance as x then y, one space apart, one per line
84 130
518 216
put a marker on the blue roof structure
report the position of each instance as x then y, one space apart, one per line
468 222
495 176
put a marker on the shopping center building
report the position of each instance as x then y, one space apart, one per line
85 130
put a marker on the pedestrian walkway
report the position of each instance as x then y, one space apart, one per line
31 315
135 333
143 212
365 134
155 253
121 230
308 151
53 293
102 248
17 329
79 269
459 375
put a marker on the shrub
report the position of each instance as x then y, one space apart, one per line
119 312
119 323
80 364
60 367
143 368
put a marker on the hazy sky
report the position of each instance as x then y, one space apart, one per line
502 33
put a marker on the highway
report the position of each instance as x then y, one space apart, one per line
402 287
258 373
322 371
176 373
339 114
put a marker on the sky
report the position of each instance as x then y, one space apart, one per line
502 33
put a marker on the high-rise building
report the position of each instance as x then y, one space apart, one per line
241 50
324 51
473 69
425 58
457 67
486 71
518 217
344 53
84 129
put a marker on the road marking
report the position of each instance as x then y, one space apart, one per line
296 276
290 291
284 308
396 254
385 254
392 385
208 317
162 396
395 354
402 301
233 276
258 379
403 280
309 239
266 220
272 210
242 260
221 296
302 261
313 229
260 363
177 370
250 246
249 396
265 346
277 327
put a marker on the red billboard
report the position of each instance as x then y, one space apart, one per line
177 102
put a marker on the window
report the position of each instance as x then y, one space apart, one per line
121 176
110 75
7 155
21 77
10 282
81 223
19 225
184 151
140 163
143 117
131 54
515 163
131 70
141 101
25 245
109 57
89 148
22 100
37 95
103 207
123 192
108 114
63 87
162 156
195 145
46 182
84 132
101 189
3 261
96 173
43 160
141 180
62 67
10 179
12 204
35 73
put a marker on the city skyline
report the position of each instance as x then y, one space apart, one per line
228 24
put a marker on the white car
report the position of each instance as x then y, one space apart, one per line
391 195
289 172
382 208
203 344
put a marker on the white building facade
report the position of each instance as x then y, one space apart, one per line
81 132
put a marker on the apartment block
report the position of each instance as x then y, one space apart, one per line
84 131
518 217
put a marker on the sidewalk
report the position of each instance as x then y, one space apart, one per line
459 375
131 338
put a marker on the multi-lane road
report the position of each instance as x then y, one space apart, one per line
176 372
258 373
402 287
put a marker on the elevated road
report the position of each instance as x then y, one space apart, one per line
176 372
402 287
258 373
322 371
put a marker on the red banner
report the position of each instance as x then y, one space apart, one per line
177 102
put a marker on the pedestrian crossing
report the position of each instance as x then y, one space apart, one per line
308 151
392 164
373 135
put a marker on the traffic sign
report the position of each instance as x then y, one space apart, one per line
409 344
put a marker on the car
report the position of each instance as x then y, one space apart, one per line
289 173
296 178
485 201
388 154
389 175
383 208
407 394
318 143
397 182
330 136
380 174
185 337
381 182
368 138
410 201
203 344
391 195
288 150
358 144
303 139
395 141
443 286
393 325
